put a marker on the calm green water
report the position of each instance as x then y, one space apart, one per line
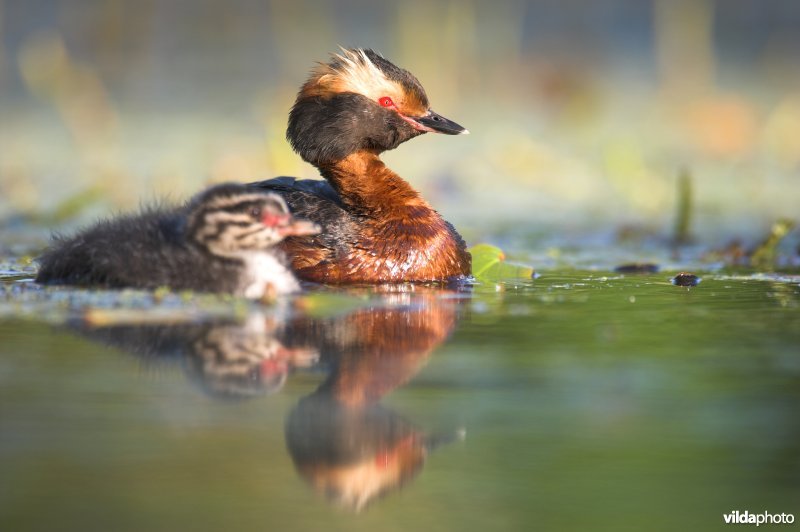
576 401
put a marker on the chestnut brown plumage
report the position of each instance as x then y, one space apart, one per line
375 226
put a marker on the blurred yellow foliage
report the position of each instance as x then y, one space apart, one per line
73 88
781 139
568 119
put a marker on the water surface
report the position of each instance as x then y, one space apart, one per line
578 400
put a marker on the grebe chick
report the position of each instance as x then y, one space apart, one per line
222 240
375 227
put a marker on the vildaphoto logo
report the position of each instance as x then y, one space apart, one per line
765 518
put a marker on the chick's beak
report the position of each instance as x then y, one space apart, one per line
436 123
287 225
299 228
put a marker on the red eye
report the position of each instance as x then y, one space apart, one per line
386 101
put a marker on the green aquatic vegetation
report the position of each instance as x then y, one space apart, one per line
71 207
58 305
489 265
683 209
13 269
323 304
766 254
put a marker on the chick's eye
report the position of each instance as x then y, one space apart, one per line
386 101
255 212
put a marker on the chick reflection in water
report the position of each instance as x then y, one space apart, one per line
227 360
342 441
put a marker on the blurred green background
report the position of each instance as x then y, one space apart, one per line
582 113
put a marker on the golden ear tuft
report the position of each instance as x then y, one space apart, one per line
352 71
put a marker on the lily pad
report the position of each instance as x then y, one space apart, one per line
489 265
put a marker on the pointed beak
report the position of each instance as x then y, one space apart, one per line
299 228
436 123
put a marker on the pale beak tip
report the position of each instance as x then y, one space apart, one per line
465 132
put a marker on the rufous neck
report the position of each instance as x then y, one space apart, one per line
366 184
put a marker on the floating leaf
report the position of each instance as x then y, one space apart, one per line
488 264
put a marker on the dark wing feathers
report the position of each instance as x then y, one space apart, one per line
314 187
316 200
